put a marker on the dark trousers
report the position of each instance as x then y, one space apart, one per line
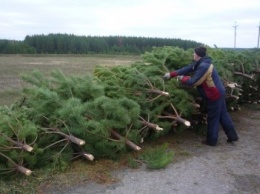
218 114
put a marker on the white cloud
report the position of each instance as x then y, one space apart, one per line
209 22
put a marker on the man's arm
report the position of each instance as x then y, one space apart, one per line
199 76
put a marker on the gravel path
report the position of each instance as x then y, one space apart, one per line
225 169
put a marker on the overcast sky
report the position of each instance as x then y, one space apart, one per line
206 21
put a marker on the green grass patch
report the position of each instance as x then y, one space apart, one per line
158 157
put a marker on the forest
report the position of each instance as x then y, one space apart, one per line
72 44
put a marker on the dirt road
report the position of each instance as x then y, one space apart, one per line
228 168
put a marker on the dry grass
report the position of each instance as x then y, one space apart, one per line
12 66
102 171
80 173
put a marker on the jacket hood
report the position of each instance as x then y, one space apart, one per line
205 59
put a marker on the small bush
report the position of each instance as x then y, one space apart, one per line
158 157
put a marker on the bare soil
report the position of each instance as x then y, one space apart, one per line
228 168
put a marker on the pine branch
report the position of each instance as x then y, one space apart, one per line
251 77
18 167
23 170
231 94
86 155
194 103
152 88
82 153
163 64
55 143
127 142
69 137
20 145
161 93
177 118
151 125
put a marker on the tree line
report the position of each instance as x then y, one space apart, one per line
72 44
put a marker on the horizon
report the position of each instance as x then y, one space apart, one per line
130 36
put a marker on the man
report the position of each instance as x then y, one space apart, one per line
212 90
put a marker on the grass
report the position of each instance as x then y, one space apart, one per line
158 157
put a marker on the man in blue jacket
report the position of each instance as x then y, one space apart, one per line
212 90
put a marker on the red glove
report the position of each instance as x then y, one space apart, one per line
185 79
173 74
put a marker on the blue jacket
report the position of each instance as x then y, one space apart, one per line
205 78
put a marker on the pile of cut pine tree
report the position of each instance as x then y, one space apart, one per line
113 110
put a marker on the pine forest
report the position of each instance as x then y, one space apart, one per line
72 44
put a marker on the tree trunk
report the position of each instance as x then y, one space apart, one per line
24 170
127 142
151 125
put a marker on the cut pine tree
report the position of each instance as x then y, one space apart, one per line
127 142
